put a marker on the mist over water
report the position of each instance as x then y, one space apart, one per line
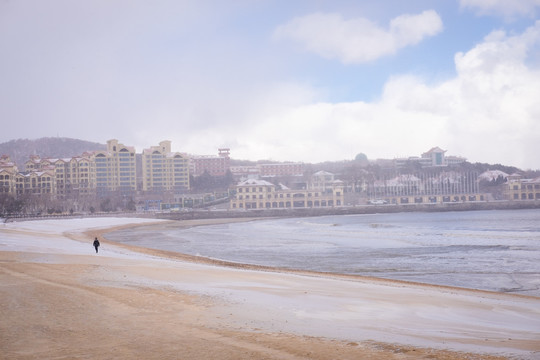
490 250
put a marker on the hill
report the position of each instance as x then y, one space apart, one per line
54 147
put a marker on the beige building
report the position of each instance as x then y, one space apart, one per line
163 170
36 183
323 181
116 169
74 176
522 189
7 182
260 194
8 172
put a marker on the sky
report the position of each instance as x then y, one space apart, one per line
299 80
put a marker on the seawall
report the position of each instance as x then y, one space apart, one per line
364 209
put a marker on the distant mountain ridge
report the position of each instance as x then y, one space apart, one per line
53 147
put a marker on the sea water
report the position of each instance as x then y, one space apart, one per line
495 250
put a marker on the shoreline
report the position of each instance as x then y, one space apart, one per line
351 210
158 306
200 214
244 266
184 224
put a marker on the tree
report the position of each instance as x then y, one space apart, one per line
9 205
207 182
105 205
131 206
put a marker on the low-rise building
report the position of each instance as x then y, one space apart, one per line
433 157
281 169
261 194
267 170
245 172
518 188
441 187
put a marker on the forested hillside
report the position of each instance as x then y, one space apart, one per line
54 147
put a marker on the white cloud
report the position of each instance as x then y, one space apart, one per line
358 40
489 112
148 73
509 9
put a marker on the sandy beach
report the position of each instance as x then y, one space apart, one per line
61 300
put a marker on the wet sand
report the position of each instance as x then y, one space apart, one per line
58 299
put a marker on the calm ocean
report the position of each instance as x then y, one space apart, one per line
495 250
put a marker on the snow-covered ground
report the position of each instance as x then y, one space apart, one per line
354 309
49 236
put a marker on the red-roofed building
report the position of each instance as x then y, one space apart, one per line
215 165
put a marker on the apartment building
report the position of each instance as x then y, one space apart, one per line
116 169
267 170
7 182
163 170
74 176
36 183
215 165
261 194
98 173
8 172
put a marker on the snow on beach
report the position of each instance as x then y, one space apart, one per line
344 308
49 236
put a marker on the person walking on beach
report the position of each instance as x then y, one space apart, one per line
96 244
